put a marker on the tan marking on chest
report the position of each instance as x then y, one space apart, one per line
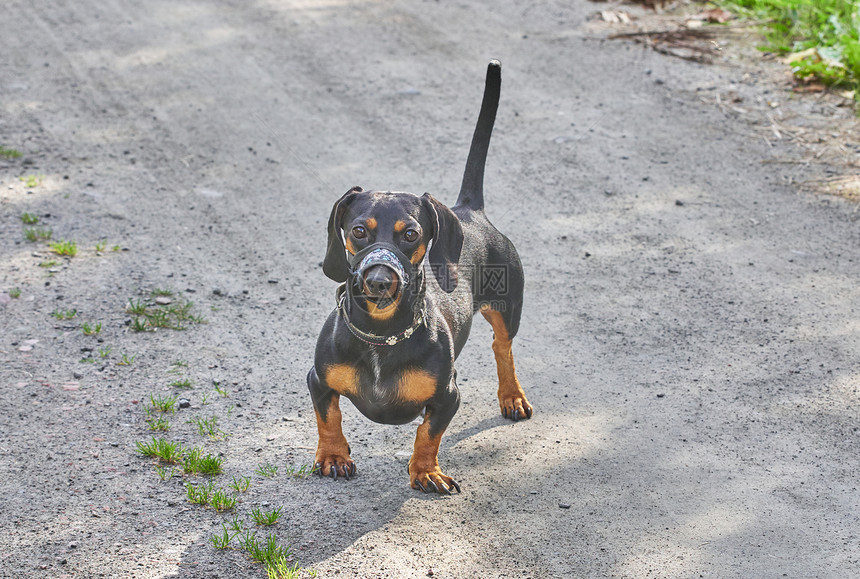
382 314
416 386
342 378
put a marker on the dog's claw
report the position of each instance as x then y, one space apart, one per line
432 485
333 472
516 415
421 486
529 412
318 468
456 486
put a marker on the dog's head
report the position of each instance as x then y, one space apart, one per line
379 241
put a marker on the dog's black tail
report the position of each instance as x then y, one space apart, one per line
472 190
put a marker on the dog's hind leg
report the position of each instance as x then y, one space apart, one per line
512 397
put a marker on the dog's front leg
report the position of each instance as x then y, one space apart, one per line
332 457
424 471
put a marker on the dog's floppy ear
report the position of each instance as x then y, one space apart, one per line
447 243
335 265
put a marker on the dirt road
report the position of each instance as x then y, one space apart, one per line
689 340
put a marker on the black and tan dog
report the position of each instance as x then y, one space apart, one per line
414 272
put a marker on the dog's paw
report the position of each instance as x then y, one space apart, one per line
515 407
334 465
432 481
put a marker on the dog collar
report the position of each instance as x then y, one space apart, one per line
376 339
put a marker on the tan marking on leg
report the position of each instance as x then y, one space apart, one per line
332 448
424 464
512 397
342 378
416 386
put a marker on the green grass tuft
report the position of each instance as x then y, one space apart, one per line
830 27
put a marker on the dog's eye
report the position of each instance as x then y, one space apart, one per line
359 232
410 235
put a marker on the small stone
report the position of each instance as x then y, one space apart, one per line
563 506
163 300
77 375
679 203
273 280
73 545
184 403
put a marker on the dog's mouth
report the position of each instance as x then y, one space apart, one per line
381 277
380 284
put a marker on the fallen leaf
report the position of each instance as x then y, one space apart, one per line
717 15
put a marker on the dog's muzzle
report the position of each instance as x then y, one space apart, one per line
379 272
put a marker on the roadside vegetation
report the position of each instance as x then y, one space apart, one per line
821 38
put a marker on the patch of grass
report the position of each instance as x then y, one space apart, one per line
15 293
37 233
104 352
66 248
93 330
163 473
177 366
8 153
31 181
831 28
221 540
115 248
264 551
126 360
100 246
163 450
162 292
266 518
49 263
208 427
236 524
174 316
29 218
163 404
241 484
280 568
204 398
64 315
303 471
184 383
158 423
222 502
199 494
222 391
195 463
267 470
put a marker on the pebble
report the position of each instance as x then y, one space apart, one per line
563 506
163 300
77 375
217 291
184 403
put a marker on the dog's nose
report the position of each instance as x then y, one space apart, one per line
380 282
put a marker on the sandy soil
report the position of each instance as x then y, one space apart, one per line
690 333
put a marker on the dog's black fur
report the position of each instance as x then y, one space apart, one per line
472 267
